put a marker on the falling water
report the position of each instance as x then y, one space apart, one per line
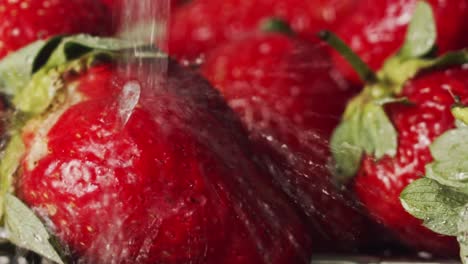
144 23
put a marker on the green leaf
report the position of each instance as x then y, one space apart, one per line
45 52
8 165
463 234
10 161
421 34
16 68
26 230
39 93
451 145
365 129
449 173
437 205
448 59
346 150
378 131
398 70
77 46
450 153
276 25
460 113
61 55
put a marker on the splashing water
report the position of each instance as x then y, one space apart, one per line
145 22
128 100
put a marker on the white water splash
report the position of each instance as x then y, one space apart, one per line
128 100
145 22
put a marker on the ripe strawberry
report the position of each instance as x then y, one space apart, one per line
376 29
206 23
23 22
417 125
386 131
289 99
132 165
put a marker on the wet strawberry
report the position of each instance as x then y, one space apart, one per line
376 29
290 99
383 141
206 23
418 125
135 165
23 22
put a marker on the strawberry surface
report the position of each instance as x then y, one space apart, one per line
376 29
290 99
387 132
380 182
206 23
23 22
138 170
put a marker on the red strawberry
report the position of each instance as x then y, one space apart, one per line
417 125
377 28
206 23
289 99
23 22
386 131
140 166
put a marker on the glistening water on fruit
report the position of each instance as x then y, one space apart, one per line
126 162
115 153
144 22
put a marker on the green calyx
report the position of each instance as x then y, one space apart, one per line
36 81
366 128
461 115
440 199
32 79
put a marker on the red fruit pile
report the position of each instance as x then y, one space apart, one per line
271 149
207 23
277 85
377 29
389 133
427 117
148 168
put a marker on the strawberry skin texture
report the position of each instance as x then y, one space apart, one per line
376 30
378 184
207 23
172 185
25 21
290 100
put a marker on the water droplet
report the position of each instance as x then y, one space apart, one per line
128 100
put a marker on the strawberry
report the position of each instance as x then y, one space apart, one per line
417 125
134 165
26 21
376 29
383 142
289 99
440 199
206 23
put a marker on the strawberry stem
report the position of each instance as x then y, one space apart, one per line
363 70
276 25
